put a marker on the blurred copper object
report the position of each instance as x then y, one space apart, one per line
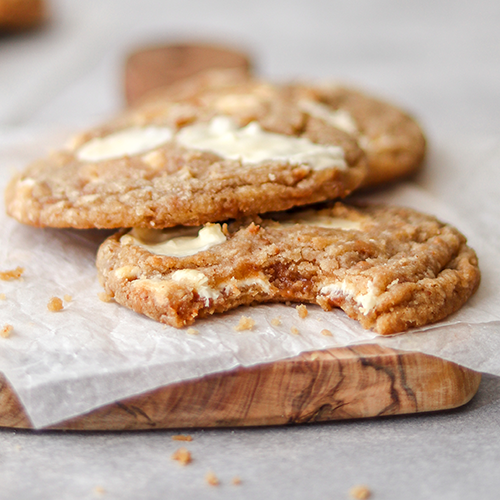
19 15
155 67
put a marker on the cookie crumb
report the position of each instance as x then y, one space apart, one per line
245 323
6 331
67 298
3 296
302 310
105 296
326 333
212 479
294 331
192 331
55 304
13 274
99 490
236 480
276 322
360 492
182 437
183 456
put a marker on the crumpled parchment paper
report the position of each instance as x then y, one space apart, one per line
62 364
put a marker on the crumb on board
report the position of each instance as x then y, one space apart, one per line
3 296
105 296
212 479
192 331
294 331
183 456
182 437
326 333
13 274
276 322
236 480
302 311
55 304
99 490
67 298
360 492
6 330
245 323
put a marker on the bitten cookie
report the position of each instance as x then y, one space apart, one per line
389 268
218 146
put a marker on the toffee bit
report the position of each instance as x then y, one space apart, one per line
13 274
276 322
6 331
182 437
294 331
183 456
212 479
302 311
360 492
55 304
192 331
326 333
245 323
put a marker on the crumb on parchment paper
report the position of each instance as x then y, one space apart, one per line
6 331
276 322
183 456
212 479
182 437
360 492
245 323
55 304
3 296
105 296
326 333
192 331
236 480
13 274
67 298
302 311
294 331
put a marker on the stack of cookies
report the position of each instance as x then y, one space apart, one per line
226 190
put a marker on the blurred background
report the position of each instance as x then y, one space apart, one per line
440 60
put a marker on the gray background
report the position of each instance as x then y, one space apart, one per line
438 59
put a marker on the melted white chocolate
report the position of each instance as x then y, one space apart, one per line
129 142
175 243
252 145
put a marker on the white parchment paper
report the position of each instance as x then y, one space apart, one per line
92 353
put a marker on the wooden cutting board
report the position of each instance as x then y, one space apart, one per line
334 384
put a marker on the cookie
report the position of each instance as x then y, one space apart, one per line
216 147
389 268
18 15
151 68
392 140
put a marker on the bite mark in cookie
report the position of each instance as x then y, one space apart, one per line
388 268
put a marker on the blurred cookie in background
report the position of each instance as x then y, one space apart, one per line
20 15
155 67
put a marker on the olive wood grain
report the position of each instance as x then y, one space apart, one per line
335 384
